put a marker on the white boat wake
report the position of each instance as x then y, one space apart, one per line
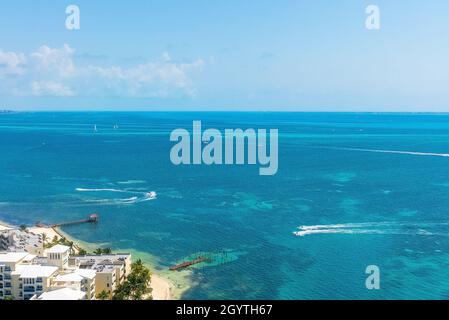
391 228
415 153
142 196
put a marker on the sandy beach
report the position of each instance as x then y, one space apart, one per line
161 288
4 226
50 233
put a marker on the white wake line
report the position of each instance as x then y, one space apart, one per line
420 232
133 200
108 190
393 228
415 153
372 224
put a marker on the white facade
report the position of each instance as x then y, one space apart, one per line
24 276
58 256
29 280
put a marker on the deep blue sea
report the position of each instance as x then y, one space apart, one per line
379 181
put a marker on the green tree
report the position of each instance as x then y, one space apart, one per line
23 227
136 286
103 251
82 252
103 295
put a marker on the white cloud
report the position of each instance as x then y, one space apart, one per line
152 79
11 63
53 72
50 88
55 60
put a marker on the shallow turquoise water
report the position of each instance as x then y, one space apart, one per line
334 169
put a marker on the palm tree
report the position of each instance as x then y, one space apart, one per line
71 245
103 295
23 227
136 285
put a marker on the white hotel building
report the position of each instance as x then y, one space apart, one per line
24 276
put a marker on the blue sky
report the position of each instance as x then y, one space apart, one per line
313 55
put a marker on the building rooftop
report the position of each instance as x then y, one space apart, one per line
76 276
12 257
69 277
63 294
34 271
86 273
100 262
59 248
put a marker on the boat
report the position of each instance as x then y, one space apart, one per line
151 195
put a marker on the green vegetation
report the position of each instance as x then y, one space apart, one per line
103 251
136 285
62 241
103 295
23 227
82 252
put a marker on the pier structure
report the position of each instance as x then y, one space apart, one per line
93 218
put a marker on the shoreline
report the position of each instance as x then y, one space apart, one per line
163 288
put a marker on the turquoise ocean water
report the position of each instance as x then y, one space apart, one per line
383 177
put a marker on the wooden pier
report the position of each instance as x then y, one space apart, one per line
188 263
93 218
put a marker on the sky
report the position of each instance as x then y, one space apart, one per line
227 55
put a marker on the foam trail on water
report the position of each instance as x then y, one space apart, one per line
373 224
113 190
398 228
144 196
415 153
126 201
364 231
132 182
102 190
346 225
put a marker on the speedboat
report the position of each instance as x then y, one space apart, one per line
151 195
